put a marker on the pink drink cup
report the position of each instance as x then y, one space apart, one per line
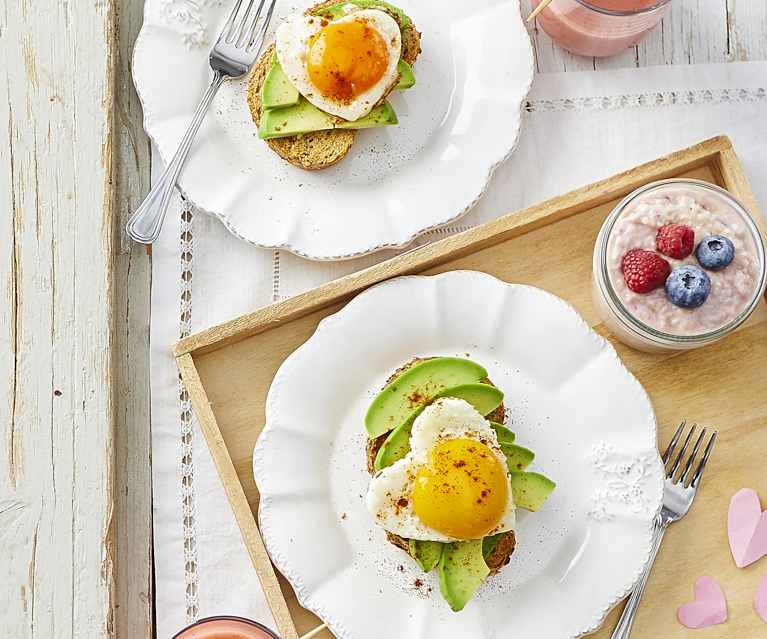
226 628
600 27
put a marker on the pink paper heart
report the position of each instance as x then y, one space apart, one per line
760 600
709 607
747 528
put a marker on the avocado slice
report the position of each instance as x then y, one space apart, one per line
530 490
517 457
396 445
277 91
381 115
505 436
299 118
406 76
304 117
462 569
426 553
483 397
337 10
415 388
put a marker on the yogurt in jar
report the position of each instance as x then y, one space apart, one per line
651 321
732 288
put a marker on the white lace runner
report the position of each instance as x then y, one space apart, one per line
657 99
187 417
578 128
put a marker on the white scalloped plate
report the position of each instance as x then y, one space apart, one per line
460 121
572 401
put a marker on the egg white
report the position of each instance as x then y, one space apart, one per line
446 418
292 45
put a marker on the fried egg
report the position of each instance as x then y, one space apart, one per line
453 485
344 66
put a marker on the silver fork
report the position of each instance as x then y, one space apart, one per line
678 494
234 53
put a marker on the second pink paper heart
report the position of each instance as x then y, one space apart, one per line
709 607
747 528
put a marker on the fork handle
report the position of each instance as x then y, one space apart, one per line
145 224
623 629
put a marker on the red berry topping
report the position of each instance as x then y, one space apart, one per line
675 240
644 271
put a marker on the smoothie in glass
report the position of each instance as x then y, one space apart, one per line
226 628
600 27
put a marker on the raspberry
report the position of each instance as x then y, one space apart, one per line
644 271
675 240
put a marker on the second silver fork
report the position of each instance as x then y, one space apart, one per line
678 493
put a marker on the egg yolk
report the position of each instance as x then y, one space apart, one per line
345 59
462 491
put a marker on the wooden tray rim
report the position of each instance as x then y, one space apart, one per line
717 152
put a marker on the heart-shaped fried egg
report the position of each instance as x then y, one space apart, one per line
343 66
453 485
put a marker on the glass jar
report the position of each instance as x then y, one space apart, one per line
600 27
614 305
226 628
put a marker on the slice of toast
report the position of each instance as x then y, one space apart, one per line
318 149
501 554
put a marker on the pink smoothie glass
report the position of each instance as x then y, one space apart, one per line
226 628
600 27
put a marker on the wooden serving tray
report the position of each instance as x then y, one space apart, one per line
228 369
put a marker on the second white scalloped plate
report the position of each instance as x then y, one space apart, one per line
572 401
459 122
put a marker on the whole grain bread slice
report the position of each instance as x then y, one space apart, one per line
501 554
318 149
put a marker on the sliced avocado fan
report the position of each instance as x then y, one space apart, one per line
483 397
417 387
285 112
462 565
304 117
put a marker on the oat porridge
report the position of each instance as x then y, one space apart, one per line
711 221
677 264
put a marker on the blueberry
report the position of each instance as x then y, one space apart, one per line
688 286
715 252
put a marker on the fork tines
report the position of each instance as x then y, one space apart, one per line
674 468
241 29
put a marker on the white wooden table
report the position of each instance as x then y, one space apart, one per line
75 492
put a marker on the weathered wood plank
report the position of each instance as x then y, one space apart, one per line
693 32
690 33
747 30
56 411
132 277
